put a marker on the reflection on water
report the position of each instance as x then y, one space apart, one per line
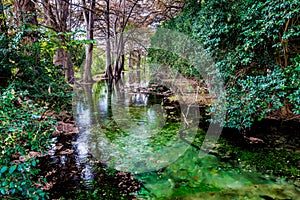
122 128
104 104
84 119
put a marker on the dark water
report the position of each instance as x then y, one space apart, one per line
136 127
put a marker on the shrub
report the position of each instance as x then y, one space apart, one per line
255 45
23 130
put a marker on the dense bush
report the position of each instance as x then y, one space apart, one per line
31 65
35 85
24 134
255 45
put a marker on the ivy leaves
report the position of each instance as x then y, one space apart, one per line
255 46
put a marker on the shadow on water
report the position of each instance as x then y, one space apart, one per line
130 131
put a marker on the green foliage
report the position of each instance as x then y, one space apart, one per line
51 41
255 45
293 74
23 130
35 85
31 66
249 99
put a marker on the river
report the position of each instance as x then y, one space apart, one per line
136 127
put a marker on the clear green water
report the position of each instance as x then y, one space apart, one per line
128 131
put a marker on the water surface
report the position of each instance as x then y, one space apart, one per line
130 128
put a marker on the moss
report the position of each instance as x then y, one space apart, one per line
272 161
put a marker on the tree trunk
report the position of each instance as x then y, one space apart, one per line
120 58
116 50
87 76
25 16
121 55
63 58
108 72
138 62
121 68
116 59
56 15
89 21
130 60
70 68
25 12
138 66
